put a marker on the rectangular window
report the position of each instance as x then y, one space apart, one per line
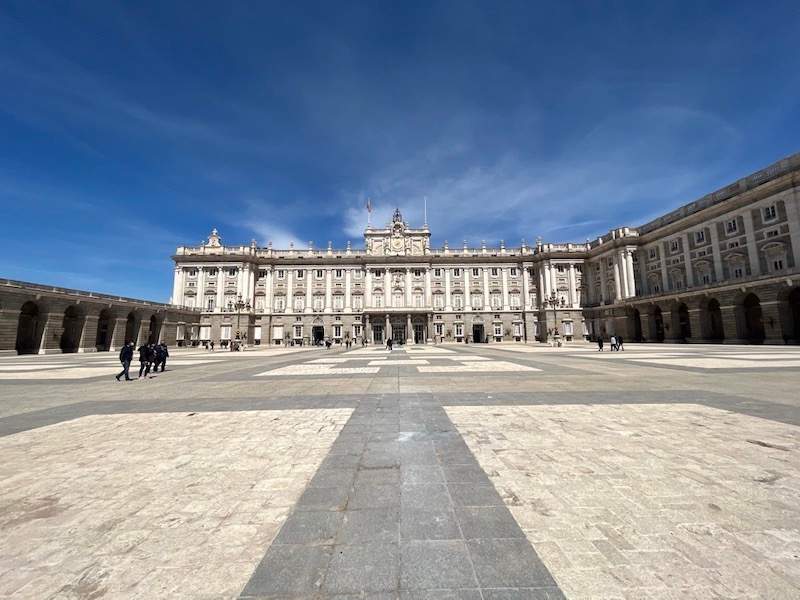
560 268
738 272
337 331
770 213
700 237
438 301
319 303
232 272
458 301
777 264
319 274
733 244
357 273
205 332
772 233
225 332
356 331
731 226
513 272
438 327
476 272
459 330
437 272
498 330
673 246
494 272
212 272
377 300
210 304
299 303
378 273
567 327
358 302
651 253
417 273
300 273
476 300
338 302
281 274
280 303
338 273
706 278
456 272
298 332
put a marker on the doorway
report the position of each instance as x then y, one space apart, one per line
377 333
477 333
419 333
399 334
318 334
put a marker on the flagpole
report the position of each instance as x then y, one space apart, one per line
425 224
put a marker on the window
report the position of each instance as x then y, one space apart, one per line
358 302
456 272
459 330
437 328
496 300
674 246
777 264
319 274
319 303
700 237
338 302
280 303
338 273
191 272
731 226
770 213
357 273
260 303
397 299
458 301
337 331
232 272
517 329
378 272
567 327
438 301
706 278
437 272
210 304
300 273
513 271
298 332
498 330
299 303
494 272
476 301
377 300
225 332
281 274
651 253
738 272
417 273
733 244
560 268
514 300
476 272
772 233
417 300
212 272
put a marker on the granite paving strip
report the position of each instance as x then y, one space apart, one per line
400 508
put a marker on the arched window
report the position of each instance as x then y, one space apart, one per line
398 300
496 300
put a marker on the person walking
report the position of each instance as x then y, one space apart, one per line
125 357
212 345
162 353
145 359
156 356
619 344
600 343
613 342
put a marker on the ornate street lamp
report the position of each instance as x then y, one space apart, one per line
239 305
553 301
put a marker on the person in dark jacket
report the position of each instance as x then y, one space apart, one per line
163 354
619 344
125 357
146 356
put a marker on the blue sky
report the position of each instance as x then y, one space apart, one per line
127 129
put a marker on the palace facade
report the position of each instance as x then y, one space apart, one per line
723 268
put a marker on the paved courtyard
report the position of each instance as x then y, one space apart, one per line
499 472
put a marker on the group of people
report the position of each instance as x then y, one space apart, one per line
615 342
151 356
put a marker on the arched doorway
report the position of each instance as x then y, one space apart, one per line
794 311
753 319
29 330
103 340
637 325
684 327
72 329
713 322
658 321
130 329
155 330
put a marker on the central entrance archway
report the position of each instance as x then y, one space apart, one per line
753 319
478 334
713 321
684 326
29 331
658 320
73 328
103 339
318 334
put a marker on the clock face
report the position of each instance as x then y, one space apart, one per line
397 244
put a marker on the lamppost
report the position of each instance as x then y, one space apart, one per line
554 302
239 305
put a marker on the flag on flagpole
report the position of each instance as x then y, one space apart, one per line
369 205
369 212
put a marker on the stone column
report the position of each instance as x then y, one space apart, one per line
53 329
201 288
696 325
573 301
9 323
617 276
407 291
409 330
89 334
387 329
603 280
177 287
526 288
309 283
220 289
428 289
687 261
553 279
328 290
730 326
486 305
348 304
117 326
541 291
631 275
387 289
645 287
752 250
665 287
448 304
289 292
504 273
144 331
770 315
792 205
467 293
368 289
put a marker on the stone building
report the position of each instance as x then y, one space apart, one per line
723 268
39 319
396 287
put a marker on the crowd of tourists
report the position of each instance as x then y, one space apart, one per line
151 356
